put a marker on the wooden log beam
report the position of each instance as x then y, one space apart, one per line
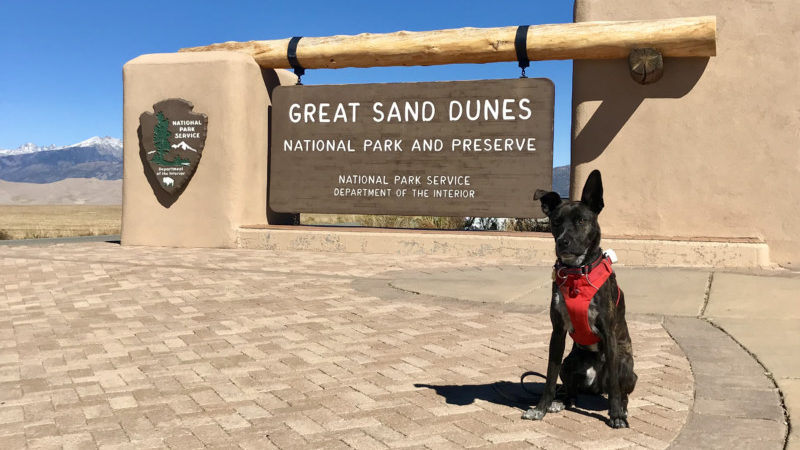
683 37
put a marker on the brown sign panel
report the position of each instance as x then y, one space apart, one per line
171 141
461 148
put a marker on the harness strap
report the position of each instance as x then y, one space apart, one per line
619 290
578 285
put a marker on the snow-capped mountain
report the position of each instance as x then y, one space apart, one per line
106 144
28 147
96 157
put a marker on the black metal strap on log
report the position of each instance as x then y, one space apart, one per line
521 46
291 54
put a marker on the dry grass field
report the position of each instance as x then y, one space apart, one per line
44 221
419 222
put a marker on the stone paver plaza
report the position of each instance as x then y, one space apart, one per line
120 347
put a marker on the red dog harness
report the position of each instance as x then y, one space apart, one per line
578 285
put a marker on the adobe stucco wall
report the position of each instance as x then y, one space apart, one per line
713 148
229 187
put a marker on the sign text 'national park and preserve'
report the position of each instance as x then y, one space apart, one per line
461 148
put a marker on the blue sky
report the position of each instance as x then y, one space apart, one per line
61 74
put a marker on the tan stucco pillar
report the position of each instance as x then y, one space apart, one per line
229 187
712 150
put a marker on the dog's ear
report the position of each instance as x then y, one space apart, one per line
593 192
550 200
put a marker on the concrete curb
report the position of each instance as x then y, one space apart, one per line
533 248
736 404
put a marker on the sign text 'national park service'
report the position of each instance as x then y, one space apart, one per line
171 143
460 148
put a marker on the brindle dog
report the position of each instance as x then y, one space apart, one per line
607 366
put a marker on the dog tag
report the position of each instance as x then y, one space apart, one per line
611 254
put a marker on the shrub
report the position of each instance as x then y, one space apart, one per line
441 223
540 225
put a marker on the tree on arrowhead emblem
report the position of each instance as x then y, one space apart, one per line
161 135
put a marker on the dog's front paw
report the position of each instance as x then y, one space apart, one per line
533 414
556 406
619 422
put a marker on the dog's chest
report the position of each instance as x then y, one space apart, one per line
560 306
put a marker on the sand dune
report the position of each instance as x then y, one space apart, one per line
71 191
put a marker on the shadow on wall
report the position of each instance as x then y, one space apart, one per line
272 81
620 100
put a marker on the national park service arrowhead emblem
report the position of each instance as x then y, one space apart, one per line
171 141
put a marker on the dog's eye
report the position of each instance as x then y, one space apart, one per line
579 221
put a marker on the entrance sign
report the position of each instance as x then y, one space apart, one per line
171 143
462 148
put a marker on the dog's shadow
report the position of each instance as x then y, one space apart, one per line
513 395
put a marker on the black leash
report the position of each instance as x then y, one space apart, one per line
534 396
527 374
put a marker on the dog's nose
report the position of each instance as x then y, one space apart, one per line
563 242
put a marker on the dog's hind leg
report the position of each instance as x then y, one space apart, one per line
574 376
616 410
627 379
